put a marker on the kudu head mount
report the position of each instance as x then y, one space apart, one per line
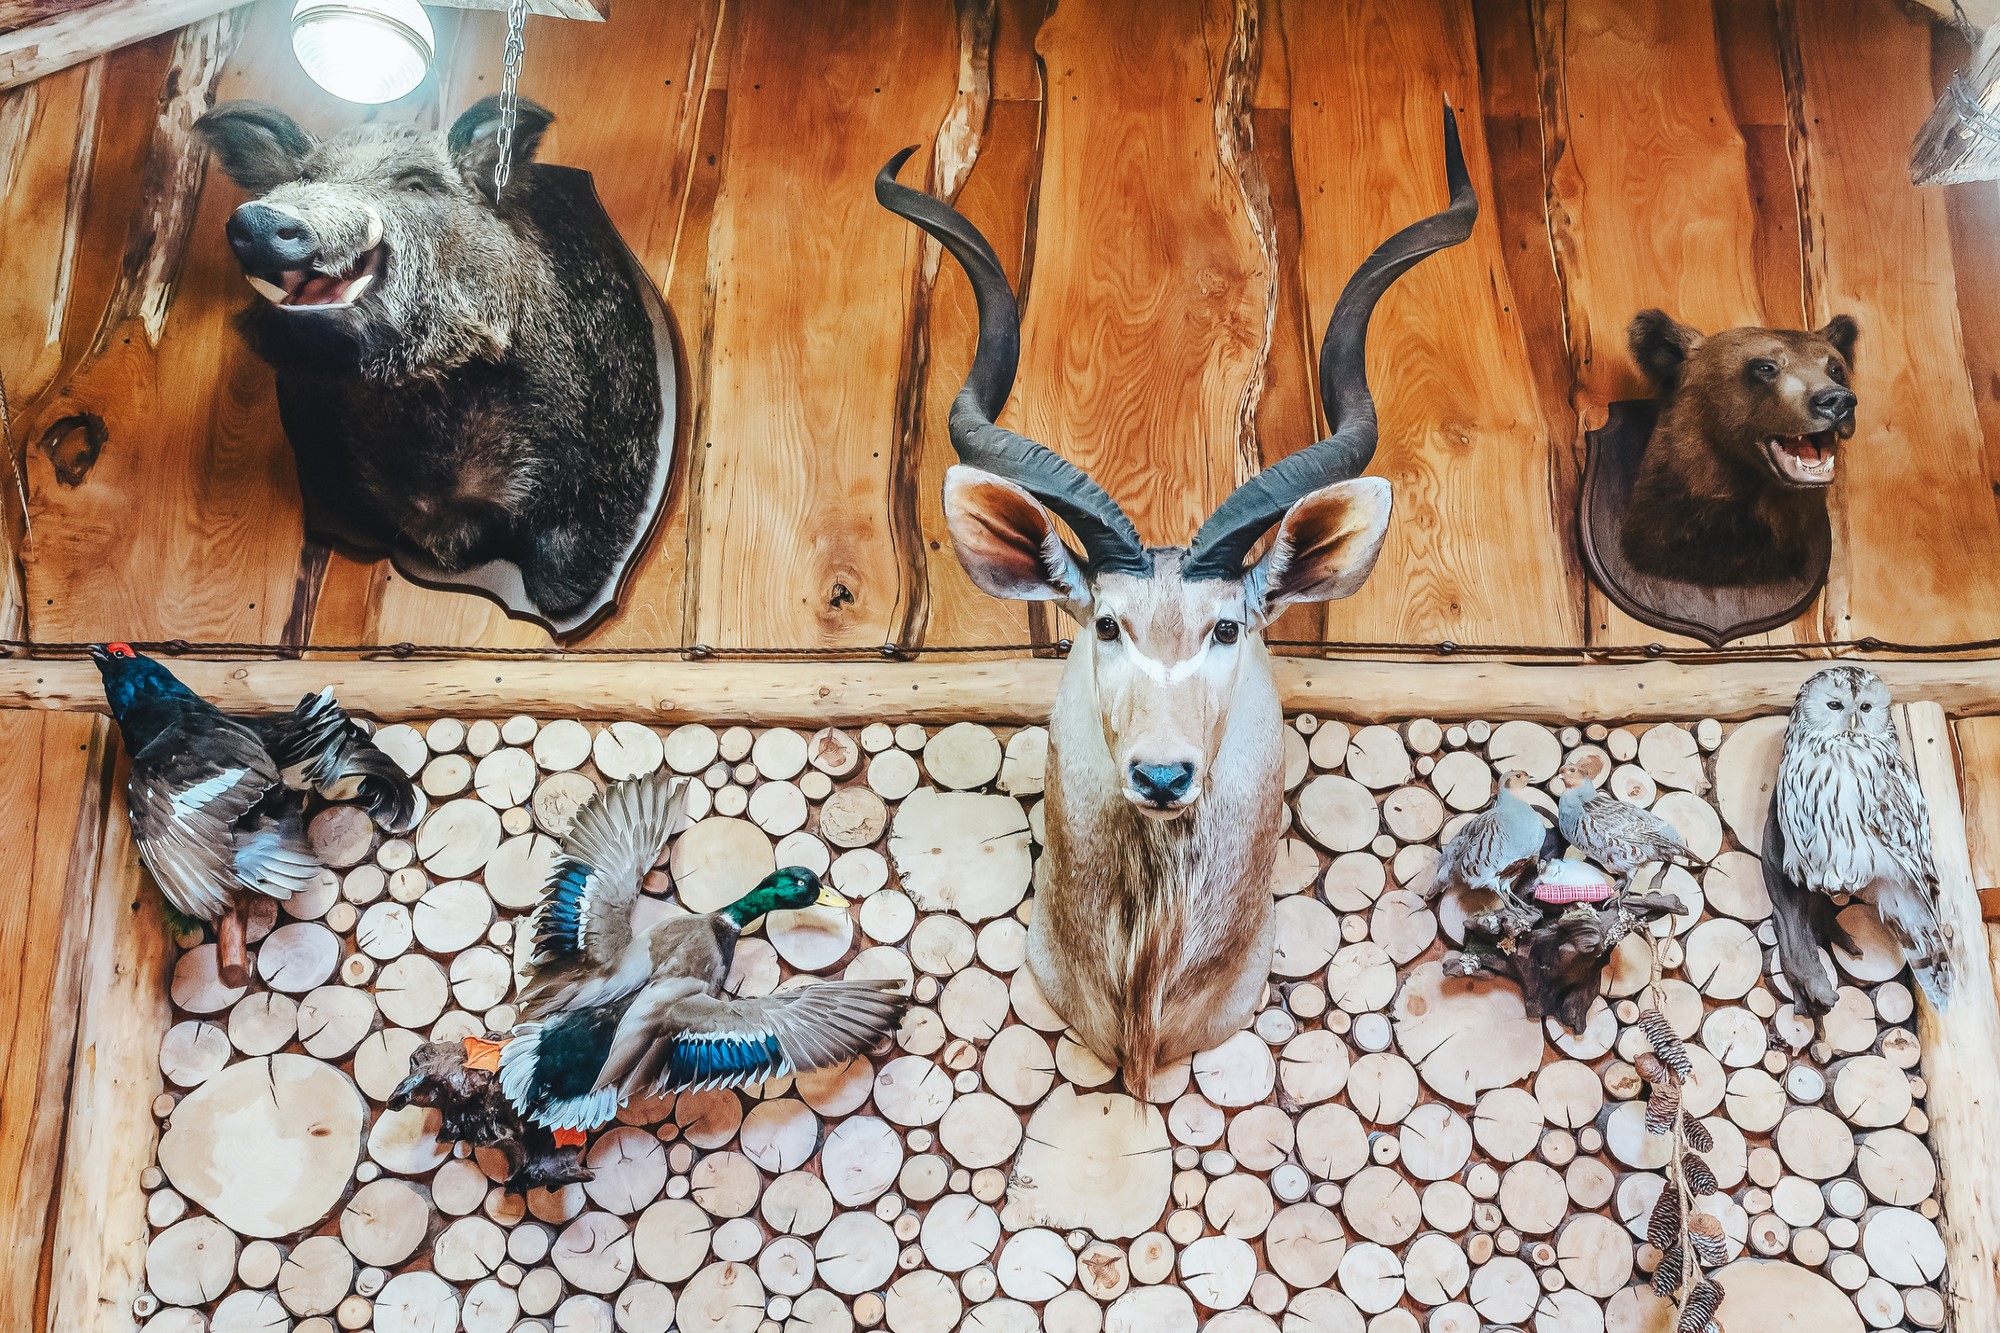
1170 630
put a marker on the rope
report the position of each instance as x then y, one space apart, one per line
1329 648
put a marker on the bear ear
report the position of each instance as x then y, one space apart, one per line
474 139
1661 347
1841 331
259 146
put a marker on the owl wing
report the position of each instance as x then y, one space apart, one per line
1904 824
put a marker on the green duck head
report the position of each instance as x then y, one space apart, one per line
783 890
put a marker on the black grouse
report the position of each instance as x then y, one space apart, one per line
218 802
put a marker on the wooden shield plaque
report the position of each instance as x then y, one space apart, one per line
500 580
1715 615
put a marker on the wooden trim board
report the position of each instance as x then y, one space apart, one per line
1000 692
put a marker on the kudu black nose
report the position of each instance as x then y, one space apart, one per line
1833 404
267 240
1161 783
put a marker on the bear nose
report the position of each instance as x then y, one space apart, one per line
1833 404
269 240
1162 783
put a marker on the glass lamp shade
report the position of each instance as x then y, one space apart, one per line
363 50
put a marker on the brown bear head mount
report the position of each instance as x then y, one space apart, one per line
1751 425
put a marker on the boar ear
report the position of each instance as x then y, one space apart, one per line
1661 347
259 146
1841 331
474 139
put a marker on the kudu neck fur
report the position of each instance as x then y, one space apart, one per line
1152 928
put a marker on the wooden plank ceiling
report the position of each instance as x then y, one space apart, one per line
1180 189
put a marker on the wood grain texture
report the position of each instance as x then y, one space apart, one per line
100 1219
1973 211
1463 437
185 522
52 796
1148 309
814 291
996 197
1880 250
48 131
1649 201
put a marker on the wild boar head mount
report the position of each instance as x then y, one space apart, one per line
480 382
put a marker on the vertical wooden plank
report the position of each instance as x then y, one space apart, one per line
814 292
1149 304
1510 82
185 522
996 196
1288 407
52 795
48 132
1880 250
1960 1042
1475 553
1650 202
1979 767
100 1216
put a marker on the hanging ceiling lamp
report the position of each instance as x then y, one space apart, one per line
363 50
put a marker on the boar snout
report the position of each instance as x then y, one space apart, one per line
270 239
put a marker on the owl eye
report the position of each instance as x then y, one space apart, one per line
1867 708
1834 704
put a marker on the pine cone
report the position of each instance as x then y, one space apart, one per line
1663 1229
1697 1136
1661 1106
1650 1068
1700 1307
1667 1277
1710 1251
1700 1180
1665 1043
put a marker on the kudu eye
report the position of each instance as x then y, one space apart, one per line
1227 631
1107 628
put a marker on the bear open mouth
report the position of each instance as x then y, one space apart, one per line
303 289
1802 460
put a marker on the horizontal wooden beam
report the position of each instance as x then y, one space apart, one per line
1018 690
76 35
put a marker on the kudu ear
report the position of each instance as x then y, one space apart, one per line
1325 548
1007 542
258 146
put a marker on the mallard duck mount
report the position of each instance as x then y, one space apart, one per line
1704 511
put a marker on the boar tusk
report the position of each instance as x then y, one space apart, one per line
374 230
270 291
358 286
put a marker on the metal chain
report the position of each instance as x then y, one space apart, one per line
510 94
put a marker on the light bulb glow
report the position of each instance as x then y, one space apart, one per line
366 51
